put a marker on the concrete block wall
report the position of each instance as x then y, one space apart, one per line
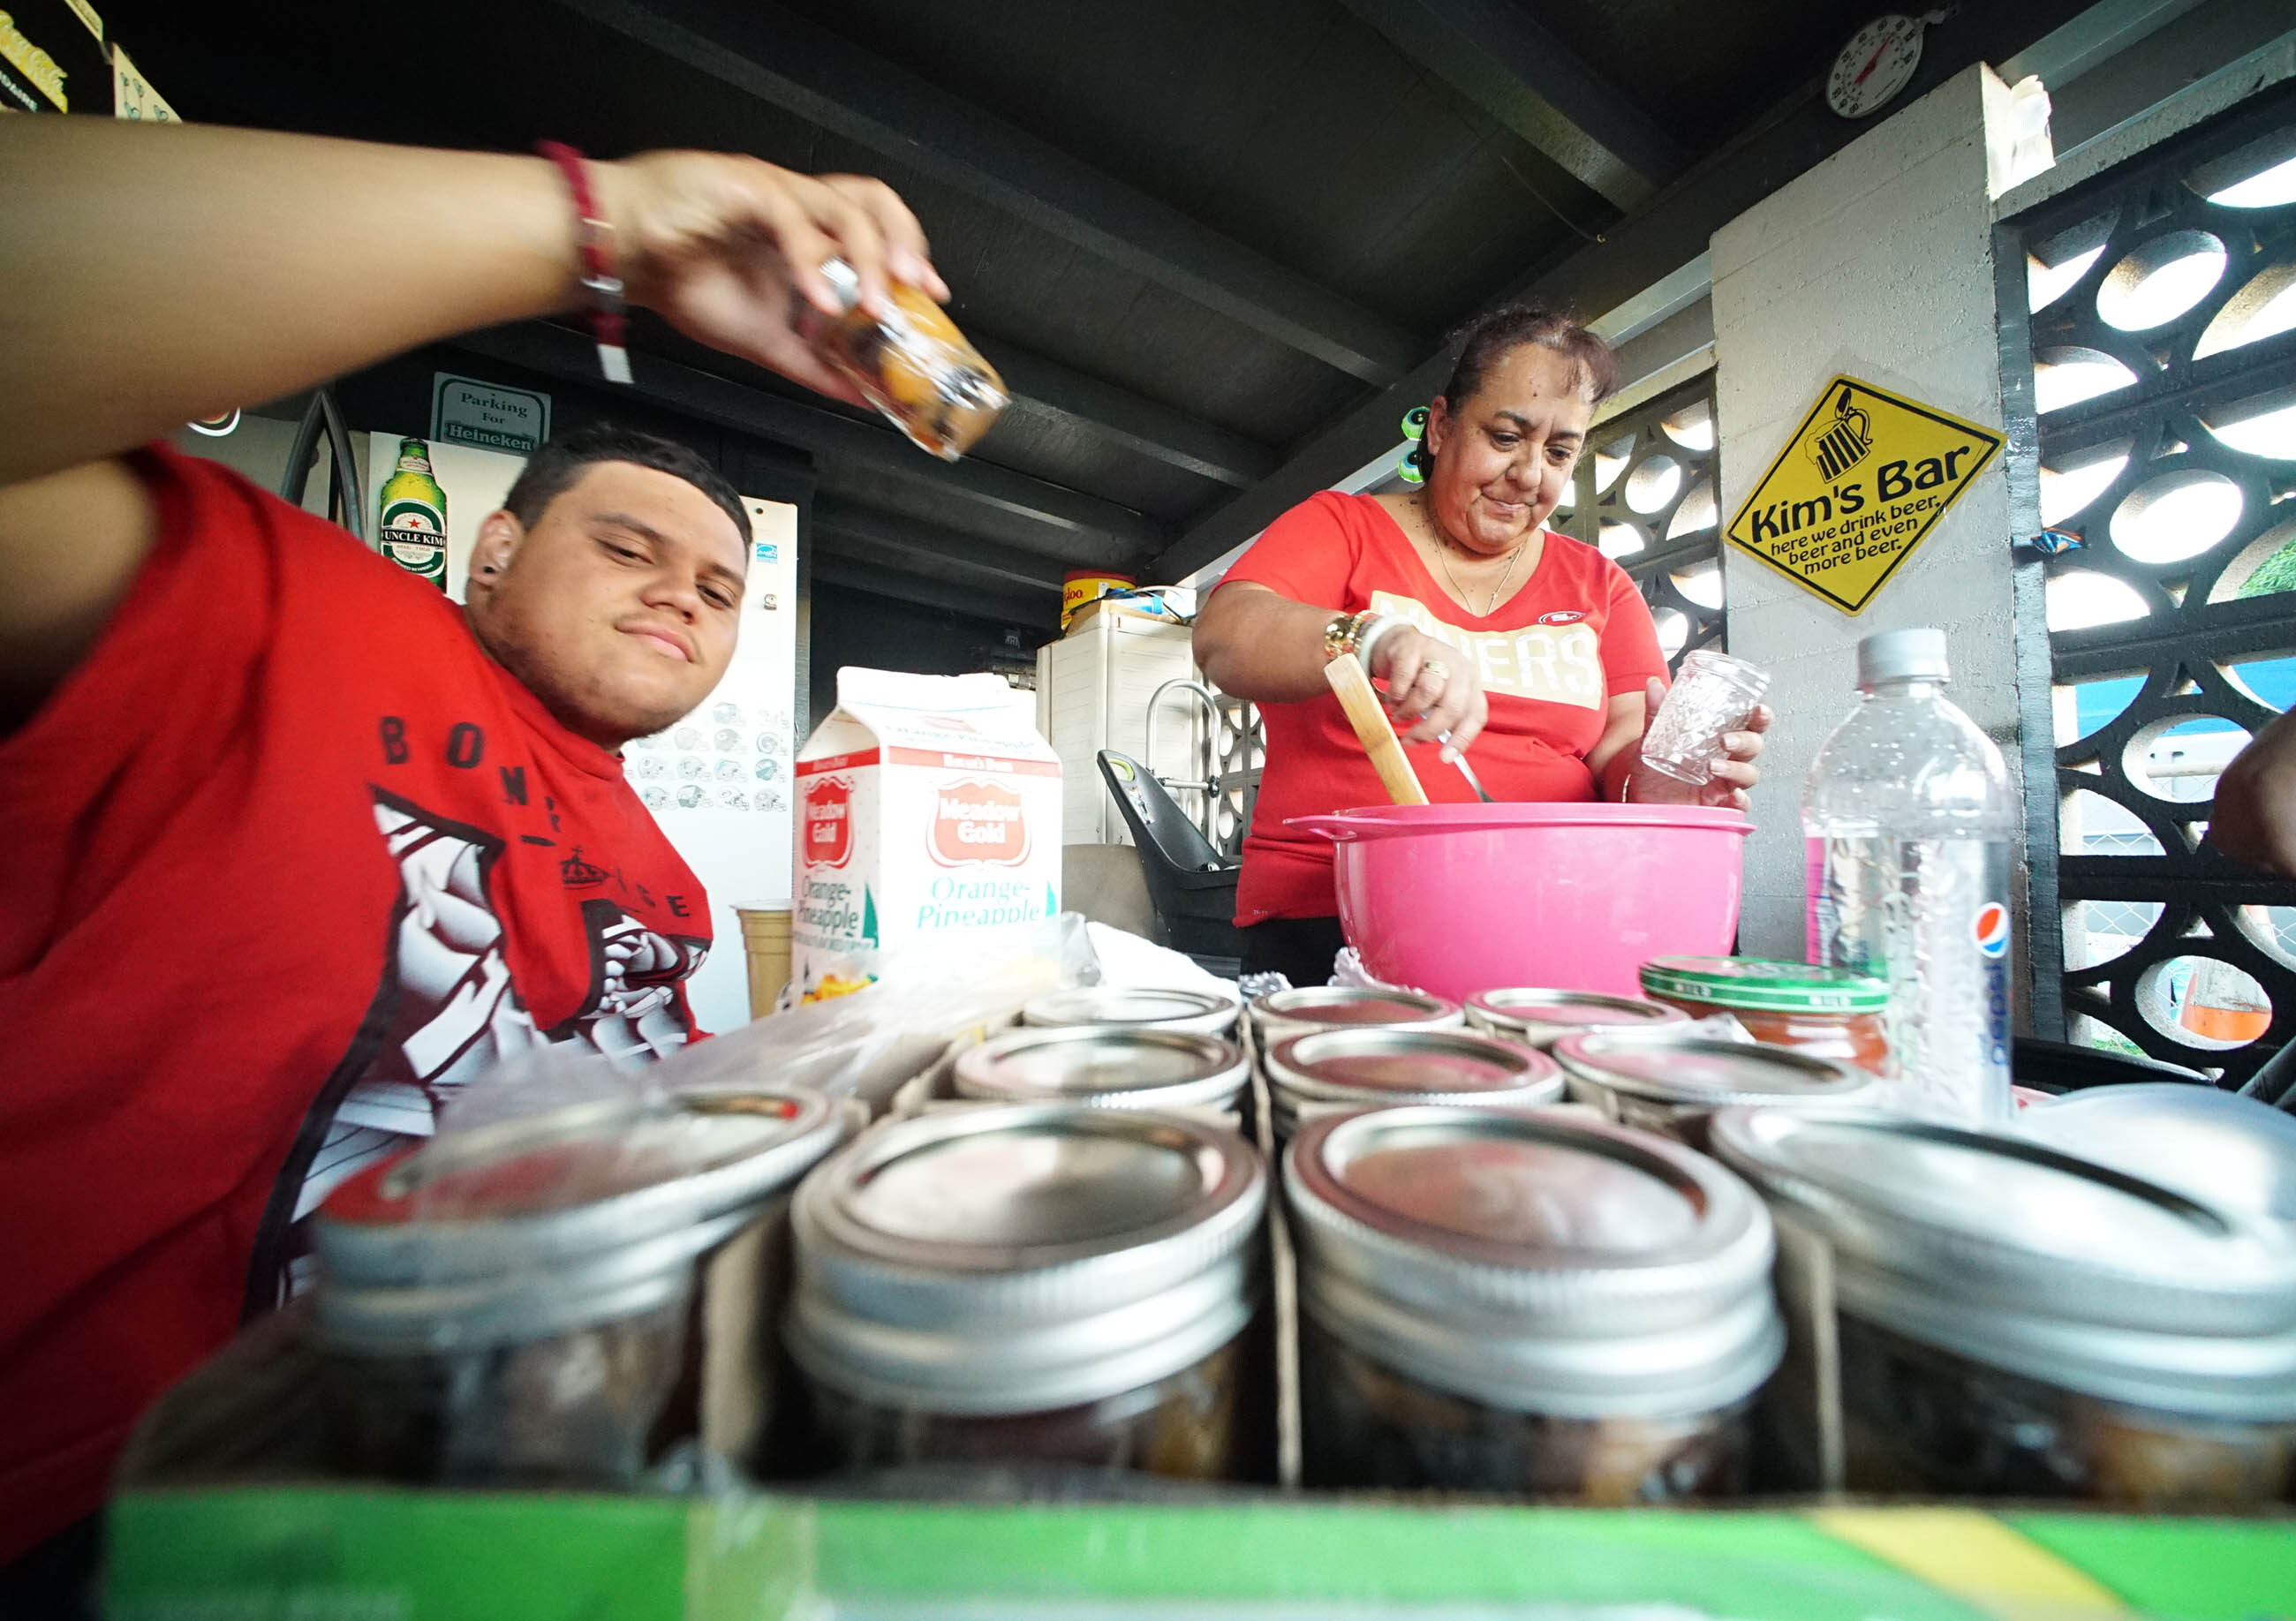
1879 264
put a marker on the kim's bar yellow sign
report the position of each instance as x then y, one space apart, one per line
1857 486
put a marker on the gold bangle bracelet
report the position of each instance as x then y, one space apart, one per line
1343 633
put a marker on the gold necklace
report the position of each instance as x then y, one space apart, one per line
1443 556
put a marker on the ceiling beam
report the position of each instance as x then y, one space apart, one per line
796 65
836 522
1633 254
1495 55
1125 419
1011 608
1108 411
1083 528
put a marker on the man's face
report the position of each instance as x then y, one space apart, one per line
620 606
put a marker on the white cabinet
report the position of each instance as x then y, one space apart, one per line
1093 691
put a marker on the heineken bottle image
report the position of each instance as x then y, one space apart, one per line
413 533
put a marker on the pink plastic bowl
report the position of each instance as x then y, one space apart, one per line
1460 899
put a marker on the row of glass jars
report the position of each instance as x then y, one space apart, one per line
1497 1298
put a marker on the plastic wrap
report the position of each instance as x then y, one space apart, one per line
927 994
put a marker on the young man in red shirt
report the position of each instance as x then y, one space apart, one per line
298 846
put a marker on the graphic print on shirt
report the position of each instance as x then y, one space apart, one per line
458 1013
1557 660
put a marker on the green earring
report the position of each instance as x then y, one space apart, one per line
1412 468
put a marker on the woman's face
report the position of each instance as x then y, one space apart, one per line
1504 457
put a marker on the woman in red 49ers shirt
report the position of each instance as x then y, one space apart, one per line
1530 647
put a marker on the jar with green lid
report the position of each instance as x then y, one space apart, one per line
1826 1012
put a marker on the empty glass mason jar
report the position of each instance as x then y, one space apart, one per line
2014 1322
1713 694
1528 1304
1036 1283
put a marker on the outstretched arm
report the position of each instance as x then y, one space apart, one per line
155 272
161 272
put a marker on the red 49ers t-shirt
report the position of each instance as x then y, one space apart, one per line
291 859
1551 657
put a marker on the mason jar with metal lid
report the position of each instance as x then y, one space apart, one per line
1376 1068
1540 1018
1280 1015
1826 1012
1675 1085
2014 1322
1526 1303
1105 1066
1193 1013
508 1305
1034 1283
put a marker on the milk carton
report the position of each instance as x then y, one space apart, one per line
926 805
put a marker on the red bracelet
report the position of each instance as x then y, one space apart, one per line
608 315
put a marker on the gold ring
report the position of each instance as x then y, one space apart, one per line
1437 668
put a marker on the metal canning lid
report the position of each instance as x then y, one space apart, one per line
2014 1254
519 1307
1535 1261
1703 1072
1310 1007
1539 1016
1202 1012
1025 1257
1759 985
545 1190
1109 1067
2216 1146
1380 1066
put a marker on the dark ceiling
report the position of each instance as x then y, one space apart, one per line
1212 244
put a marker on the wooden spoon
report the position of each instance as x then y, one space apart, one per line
1368 717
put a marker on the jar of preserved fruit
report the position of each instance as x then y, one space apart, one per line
911 362
1106 1067
1828 1012
1674 1087
508 1305
1540 1018
1526 1302
1377 1068
1190 1012
1281 1014
1034 1283
2014 1322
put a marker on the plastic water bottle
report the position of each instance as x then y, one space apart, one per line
1910 821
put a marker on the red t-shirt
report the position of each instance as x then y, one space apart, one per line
290 858
1551 657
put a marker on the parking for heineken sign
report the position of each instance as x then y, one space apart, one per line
464 411
1863 478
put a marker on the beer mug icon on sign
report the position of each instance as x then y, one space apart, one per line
1840 445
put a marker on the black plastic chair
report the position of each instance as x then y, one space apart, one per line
1192 888
2060 1067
